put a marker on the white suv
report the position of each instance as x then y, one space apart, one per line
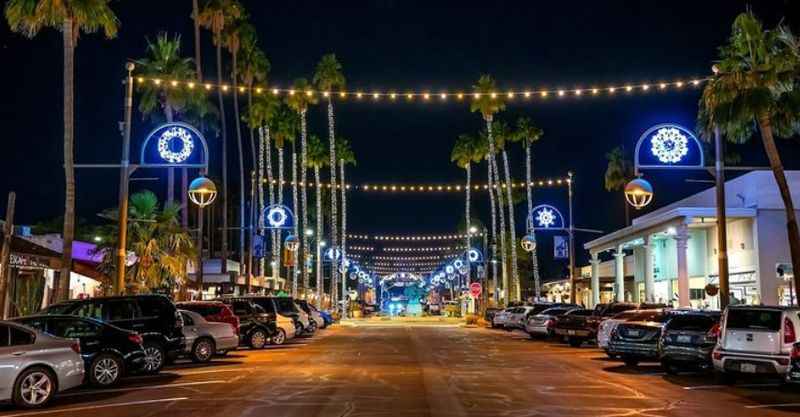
756 340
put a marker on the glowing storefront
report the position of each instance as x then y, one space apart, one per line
670 255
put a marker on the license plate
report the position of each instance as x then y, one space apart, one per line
633 333
747 368
684 339
571 332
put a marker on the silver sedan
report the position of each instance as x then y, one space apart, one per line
34 365
205 338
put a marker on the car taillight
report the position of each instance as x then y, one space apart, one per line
76 347
788 331
716 355
136 339
550 323
795 352
713 332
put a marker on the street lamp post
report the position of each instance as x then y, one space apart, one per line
124 173
202 192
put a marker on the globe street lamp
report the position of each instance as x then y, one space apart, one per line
202 192
639 193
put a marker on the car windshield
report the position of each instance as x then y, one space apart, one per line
204 310
62 308
753 319
554 311
692 322
647 316
285 305
580 312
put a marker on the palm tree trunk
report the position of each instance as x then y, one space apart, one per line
169 115
304 196
332 144
320 285
279 233
467 222
512 229
295 263
262 150
238 125
224 128
780 178
344 233
271 188
529 226
197 55
252 228
62 290
490 184
499 189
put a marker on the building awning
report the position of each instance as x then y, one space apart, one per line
27 254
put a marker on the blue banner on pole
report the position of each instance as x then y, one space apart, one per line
560 247
259 248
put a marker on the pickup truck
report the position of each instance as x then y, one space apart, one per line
579 327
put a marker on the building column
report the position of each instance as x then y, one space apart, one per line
649 278
620 274
681 244
595 280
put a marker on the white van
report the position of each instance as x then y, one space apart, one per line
756 340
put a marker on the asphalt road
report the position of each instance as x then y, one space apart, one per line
399 370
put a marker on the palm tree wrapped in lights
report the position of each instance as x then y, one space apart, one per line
299 102
755 83
345 156
284 129
487 103
527 133
318 158
465 152
504 135
329 76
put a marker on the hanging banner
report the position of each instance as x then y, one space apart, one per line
259 249
560 247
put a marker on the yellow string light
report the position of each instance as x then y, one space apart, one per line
411 237
444 95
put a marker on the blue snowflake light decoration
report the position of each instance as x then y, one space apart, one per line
167 145
669 145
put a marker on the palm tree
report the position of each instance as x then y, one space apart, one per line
328 76
318 158
466 151
504 134
527 133
345 156
31 16
487 102
299 102
216 16
197 53
619 173
284 128
162 247
756 83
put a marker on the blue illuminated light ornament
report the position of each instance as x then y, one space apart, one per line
458 263
278 216
669 145
166 145
449 269
474 255
546 217
329 254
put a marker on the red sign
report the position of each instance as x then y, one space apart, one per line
475 289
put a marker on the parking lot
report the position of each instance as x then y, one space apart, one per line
410 369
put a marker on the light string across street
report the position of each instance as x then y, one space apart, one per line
553 182
412 237
390 95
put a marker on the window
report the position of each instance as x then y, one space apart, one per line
152 306
241 308
92 309
37 323
3 336
580 313
19 337
120 310
204 310
187 319
285 305
73 329
753 319
697 293
692 322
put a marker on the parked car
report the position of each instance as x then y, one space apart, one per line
517 317
256 326
284 306
543 324
108 352
756 340
687 341
501 317
637 341
313 314
36 365
489 315
572 326
793 375
152 316
204 338
213 311
327 317
286 330
579 328
608 325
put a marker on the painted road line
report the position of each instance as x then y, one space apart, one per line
148 387
95 407
699 387
773 405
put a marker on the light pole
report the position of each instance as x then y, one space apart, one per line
124 173
202 192
572 289
291 243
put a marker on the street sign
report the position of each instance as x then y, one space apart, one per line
560 247
475 289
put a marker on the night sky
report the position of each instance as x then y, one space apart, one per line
399 45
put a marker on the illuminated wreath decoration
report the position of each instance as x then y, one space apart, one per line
545 217
669 145
165 140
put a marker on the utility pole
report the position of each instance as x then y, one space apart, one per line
572 289
119 283
722 232
5 255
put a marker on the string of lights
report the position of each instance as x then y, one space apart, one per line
411 237
425 249
390 95
361 248
430 187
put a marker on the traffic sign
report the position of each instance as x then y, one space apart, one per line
475 289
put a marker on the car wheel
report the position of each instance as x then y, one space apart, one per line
632 362
312 327
34 388
154 357
612 355
258 339
106 370
670 368
203 350
725 378
574 341
279 338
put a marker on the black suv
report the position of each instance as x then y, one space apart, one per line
154 317
284 306
256 325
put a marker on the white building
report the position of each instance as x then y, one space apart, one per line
670 255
